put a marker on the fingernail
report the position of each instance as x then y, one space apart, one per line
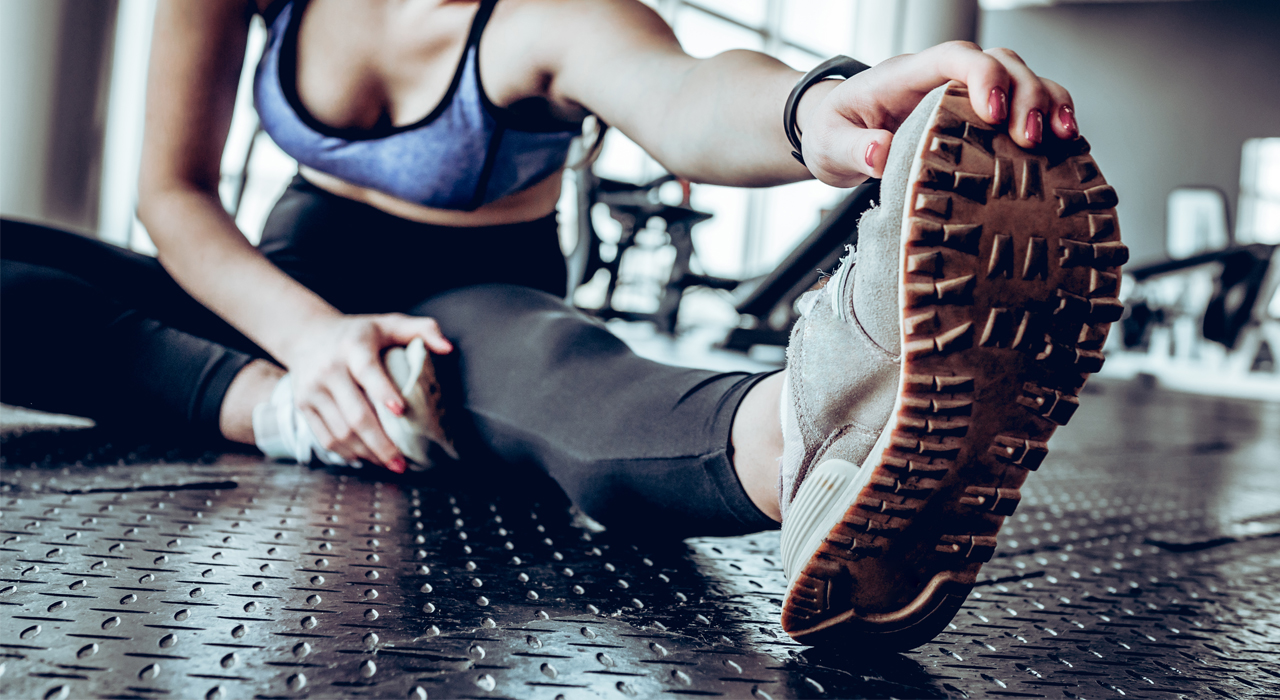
998 104
870 157
396 465
1035 126
1068 119
395 407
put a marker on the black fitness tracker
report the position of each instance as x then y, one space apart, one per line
835 67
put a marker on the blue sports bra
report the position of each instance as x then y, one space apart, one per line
465 153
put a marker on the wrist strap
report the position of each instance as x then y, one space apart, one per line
834 67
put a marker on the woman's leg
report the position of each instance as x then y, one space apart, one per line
96 330
636 444
757 444
251 386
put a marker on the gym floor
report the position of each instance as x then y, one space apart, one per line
1144 561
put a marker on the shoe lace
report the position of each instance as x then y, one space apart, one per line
841 286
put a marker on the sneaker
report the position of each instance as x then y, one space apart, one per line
990 274
419 427
839 388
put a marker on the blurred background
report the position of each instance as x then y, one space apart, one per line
1180 100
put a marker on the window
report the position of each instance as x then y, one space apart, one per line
1196 222
255 171
1259 220
753 229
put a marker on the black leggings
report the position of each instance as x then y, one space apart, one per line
95 330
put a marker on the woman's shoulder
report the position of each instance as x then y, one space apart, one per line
556 29
613 15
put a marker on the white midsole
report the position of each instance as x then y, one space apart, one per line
833 486
821 502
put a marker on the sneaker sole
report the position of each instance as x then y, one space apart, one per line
1010 273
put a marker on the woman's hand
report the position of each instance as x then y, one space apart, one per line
846 135
338 374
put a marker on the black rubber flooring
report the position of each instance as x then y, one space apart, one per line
1143 562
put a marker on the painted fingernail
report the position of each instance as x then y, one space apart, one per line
870 156
1068 119
396 465
998 104
395 407
1035 126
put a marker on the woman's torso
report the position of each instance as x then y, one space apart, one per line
374 83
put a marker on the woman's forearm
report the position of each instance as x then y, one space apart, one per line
196 59
724 125
716 120
199 244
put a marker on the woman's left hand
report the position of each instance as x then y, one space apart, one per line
846 135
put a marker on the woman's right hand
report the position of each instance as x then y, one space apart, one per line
338 374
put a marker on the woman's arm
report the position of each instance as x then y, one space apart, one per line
196 58
719 120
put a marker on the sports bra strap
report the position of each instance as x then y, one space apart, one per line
479 22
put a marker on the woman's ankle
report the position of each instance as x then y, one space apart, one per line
252 386
757 444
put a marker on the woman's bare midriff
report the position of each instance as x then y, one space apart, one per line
526 205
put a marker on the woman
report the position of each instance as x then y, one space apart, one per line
425 210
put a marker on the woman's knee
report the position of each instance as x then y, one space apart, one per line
36 297
488 301
511 316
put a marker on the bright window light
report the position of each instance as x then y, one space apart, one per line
1260 192
1196 221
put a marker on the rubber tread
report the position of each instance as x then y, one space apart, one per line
1010 267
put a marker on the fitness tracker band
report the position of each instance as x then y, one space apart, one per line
835 67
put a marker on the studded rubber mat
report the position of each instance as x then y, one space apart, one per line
1142 562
